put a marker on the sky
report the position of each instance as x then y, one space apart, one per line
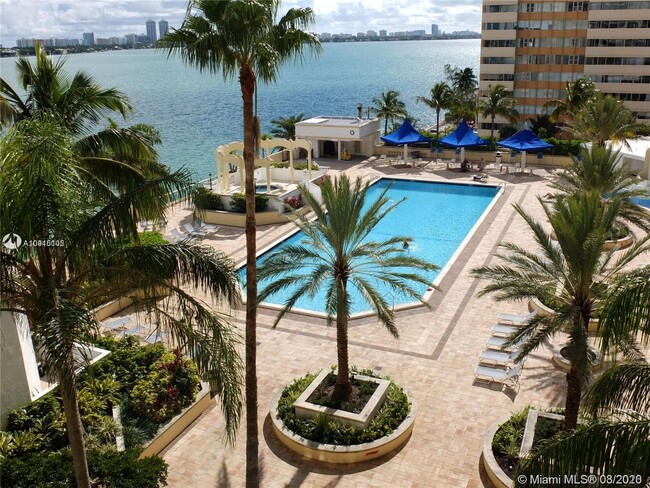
106 18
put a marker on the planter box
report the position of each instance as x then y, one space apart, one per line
535 305
564 364
497 476
111 308
178 424
307 410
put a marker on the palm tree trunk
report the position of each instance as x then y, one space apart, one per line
492 129
385 125
247 81
572 405
437 126
68 388
343 387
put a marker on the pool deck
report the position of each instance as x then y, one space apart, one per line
434 358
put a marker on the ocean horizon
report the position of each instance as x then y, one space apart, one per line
196 112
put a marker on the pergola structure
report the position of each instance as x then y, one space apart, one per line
232 153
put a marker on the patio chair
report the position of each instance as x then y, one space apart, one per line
481 177
177 237
189 228
135 330
508 377
383 158
515 318
503 329
117 324
156 336
498 358
498 342
207 227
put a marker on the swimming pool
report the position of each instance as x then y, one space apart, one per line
644 202
438 216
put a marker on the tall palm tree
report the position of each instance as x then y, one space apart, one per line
245 38
578 94
610 446
440 99
499 102
578 266
598 171
542 126
605 118
388 106
48 198
336 255
462 80
285 127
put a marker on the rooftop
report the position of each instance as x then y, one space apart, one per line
331 121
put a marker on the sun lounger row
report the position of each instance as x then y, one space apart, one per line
192 233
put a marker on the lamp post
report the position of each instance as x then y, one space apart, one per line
359 108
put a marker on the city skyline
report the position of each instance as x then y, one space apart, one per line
121 17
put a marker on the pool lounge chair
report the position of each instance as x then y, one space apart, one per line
498 358
503 329
481 177
207 227
508 377
515 318
498 342
177 237
117 324
135 330
189 228
156 336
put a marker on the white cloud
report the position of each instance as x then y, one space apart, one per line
56 18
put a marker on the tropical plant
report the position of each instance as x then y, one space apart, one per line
578 93
543 127
462 80
576 271
613 445
498 102
244 38
440 99
285 127
336 255
605 118
464 102
55 286
598 171
80 104
389 106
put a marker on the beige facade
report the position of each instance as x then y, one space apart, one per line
535 47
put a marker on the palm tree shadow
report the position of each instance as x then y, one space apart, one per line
305 466
223 480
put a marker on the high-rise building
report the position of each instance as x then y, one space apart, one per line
131 39
151 30
163 28
434 30
88 39
535 47
383 33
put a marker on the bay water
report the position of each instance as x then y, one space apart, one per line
196 112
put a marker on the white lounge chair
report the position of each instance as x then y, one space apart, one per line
208 227
117 324
156 336
499 358
508 377
515 318
497 342
177 237
189 228
383 158
500 329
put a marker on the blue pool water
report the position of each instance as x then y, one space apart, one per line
644 202
437 215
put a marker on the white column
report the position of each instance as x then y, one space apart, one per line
523 161
268 178
291 163
315 147
309 164
339 148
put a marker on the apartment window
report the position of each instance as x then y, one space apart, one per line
499 43
619 43
619 24
620 5
577 6
530 7
500 8
497 77
498 60
619 79
499 25
618 61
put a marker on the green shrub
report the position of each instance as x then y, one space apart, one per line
107 468
151 238
324 429
642 129
507 439
238 203
205 199
297 166
23 419
171 386
565 147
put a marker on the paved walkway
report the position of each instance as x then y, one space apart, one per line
434 358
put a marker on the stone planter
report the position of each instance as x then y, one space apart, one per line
337 454
621 243
564 364
497 476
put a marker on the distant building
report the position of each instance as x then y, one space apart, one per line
382 33
325 35
61 42
88 39
131 39
434 30
73 42
142 39
163 28
361 35
535 48
151 30
371 33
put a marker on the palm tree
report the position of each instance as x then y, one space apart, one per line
603 119
578 94
285 127
542 126
244 38
56 287
499 102
336 255
578 266
440 99
462 80
598 171
388 106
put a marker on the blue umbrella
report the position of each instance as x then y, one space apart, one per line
525 140
463 137
405 135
